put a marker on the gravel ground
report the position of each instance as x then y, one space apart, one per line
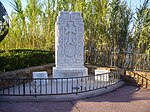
124 99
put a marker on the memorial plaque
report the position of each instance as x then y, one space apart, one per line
40 77
102 75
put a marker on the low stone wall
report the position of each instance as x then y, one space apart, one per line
145 74
121 70
91 69
21 74
27 73
138 78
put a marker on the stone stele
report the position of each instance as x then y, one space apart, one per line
69 46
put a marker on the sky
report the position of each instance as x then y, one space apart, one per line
7 4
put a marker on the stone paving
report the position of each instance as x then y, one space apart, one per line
124 99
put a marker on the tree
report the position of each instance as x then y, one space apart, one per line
120 19
141 37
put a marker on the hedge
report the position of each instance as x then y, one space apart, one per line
23 58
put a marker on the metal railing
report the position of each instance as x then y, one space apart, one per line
131 61
138 79
58 86
128 60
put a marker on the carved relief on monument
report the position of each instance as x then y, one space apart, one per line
70 39
69 46
69 42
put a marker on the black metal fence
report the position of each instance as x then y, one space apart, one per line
76 85
131 61
58 86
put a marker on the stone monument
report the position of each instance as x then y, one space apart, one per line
4 22
69 46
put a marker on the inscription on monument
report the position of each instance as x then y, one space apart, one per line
43 75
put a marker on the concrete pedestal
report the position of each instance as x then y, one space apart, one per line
69 72
102 75
43 75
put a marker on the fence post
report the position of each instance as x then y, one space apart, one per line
146 83
24 87
35 87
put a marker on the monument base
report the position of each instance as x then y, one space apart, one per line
59 72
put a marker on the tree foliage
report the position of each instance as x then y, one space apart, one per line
141 37
106 23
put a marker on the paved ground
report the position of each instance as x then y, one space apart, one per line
125 99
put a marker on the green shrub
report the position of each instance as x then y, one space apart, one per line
23 58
